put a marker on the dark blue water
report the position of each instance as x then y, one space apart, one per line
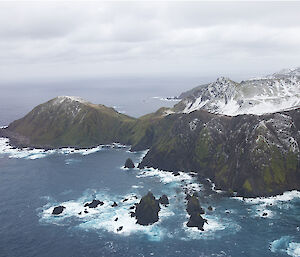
30 188
33 182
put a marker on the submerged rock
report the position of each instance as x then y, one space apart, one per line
194 210
58 210
129 164
210 208
147 209
94 204
164 200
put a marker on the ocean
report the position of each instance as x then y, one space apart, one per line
33 182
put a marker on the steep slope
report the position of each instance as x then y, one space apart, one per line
70 121
252 155
274 93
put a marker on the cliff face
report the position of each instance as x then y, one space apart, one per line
252 155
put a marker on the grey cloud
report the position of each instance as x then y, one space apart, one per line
83 38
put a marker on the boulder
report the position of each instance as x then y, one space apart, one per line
94 204
210 208
119 228
164 200
114 204
129 164
58 210
146 212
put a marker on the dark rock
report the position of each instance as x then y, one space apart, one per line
131 207
125 200
210 208
114 204
132 214
85 211
164 200
175 173
116 219
147 209
79 213
265 214
196 221
193 205
58 210
194 210
129 164
119 228
94 204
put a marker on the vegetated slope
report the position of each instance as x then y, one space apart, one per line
70 121
252 155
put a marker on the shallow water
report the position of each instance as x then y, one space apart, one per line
31 185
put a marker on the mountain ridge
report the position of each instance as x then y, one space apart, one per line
252 155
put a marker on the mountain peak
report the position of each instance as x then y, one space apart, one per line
60 99
278 92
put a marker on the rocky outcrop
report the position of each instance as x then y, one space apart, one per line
164 200
58 210
94 204
129 164
248 154
146 212
194 210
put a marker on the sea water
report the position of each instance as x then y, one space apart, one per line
34 181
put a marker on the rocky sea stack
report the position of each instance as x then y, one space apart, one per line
129 164
147 209
194 210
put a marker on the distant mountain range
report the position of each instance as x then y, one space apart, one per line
252 155
273 93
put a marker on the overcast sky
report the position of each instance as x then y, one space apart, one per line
80 39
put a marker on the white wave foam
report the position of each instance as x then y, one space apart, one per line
28 153
211 228
105 217
3 127
285 245
286 196
293 249
166 177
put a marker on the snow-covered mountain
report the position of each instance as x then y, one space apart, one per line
273 93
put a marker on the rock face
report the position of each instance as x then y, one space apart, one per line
273 93
94 204
58 210
129 164
195 211
164 200
147 209
248 154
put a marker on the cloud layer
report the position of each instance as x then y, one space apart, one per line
71 39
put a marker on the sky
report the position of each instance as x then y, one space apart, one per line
76 39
